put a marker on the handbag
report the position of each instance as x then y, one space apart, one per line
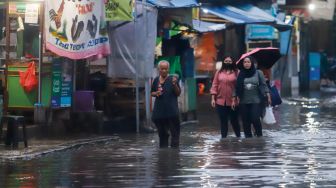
275 96
269 116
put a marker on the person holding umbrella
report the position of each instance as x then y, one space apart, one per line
251 91
221 96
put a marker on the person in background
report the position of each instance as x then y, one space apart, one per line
273 90
251 91
267 73
165 114
221 96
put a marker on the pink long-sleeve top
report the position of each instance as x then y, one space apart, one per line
223 86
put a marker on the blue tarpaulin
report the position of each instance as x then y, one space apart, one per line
246 14
255 11
173 3
203 27
235 15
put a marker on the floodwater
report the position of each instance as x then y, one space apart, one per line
299 151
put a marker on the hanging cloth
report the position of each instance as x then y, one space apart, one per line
20 39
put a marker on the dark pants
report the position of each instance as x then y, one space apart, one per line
225 113
251 115
166 127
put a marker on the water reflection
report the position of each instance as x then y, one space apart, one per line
296 152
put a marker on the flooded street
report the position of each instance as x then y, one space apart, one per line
299 151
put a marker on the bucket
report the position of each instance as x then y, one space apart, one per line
84 101
39 114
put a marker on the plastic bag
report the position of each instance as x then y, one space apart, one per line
28 78
269 116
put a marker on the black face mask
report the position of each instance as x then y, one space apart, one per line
227 66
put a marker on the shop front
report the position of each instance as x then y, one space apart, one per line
43 46
20 47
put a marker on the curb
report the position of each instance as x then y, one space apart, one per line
27 155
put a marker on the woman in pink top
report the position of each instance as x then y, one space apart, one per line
221 96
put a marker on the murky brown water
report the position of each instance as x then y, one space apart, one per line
297 152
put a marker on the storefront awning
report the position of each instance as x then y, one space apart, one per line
246 14
204 27
173 3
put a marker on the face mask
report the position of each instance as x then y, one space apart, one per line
227 66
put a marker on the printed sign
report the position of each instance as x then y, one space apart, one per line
119 10
17 8
31 13
76 29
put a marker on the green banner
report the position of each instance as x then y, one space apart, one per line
119 10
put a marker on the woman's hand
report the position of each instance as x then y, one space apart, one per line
174 80
158 93
177 89
213 103
269 99
233 104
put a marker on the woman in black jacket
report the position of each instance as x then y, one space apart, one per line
251 91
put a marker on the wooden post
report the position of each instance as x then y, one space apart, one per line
41 20
5 103
136 62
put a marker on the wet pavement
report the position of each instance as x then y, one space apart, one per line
298 151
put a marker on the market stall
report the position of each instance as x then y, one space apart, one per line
22 49
40 53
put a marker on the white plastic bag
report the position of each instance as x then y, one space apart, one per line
269 116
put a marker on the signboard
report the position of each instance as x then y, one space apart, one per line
324 9
119 10
255 31
31 13
281 2
62 83
17 8
76 29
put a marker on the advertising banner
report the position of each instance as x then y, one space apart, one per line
62 82
119 10
314 65
76 29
